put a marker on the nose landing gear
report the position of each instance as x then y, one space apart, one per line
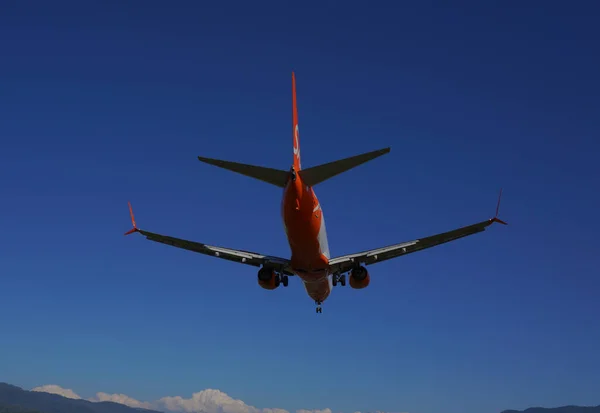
319 309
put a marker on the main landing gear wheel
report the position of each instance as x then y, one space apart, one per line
338 278
284 280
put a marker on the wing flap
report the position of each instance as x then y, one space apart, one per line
240 256
347 262
225 253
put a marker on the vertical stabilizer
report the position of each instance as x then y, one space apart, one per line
295 132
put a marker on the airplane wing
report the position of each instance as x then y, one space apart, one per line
347 262
244 257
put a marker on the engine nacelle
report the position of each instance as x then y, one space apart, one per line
359 278
268 279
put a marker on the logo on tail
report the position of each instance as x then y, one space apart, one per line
297 144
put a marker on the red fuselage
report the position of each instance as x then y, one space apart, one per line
305 229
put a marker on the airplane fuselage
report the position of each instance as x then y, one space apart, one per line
304 225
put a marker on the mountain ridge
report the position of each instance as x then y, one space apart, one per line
12 397
562 409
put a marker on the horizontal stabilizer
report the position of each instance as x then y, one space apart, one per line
272 176
317 174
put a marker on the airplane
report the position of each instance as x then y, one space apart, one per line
304 225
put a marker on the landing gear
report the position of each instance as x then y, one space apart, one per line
284 280
341 278
319 309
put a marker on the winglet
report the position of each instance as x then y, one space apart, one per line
496 219
135 228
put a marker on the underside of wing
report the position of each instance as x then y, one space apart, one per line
244 257
347 262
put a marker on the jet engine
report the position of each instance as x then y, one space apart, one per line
359 278
268 279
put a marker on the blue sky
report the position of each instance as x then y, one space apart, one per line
104 104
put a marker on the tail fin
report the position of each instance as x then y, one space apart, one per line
318 174
272 176
295 132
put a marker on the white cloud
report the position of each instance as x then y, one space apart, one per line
205 401
122 399
54 389
210 401
315 411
